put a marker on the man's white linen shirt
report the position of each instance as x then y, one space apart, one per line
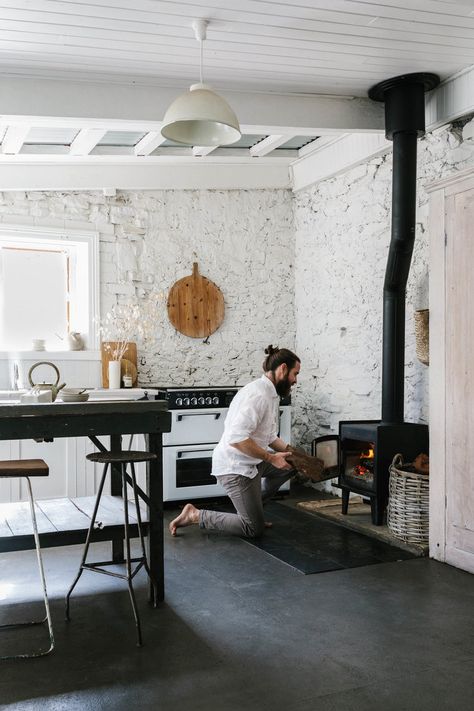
253 413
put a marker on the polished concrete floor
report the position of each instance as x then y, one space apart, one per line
242 631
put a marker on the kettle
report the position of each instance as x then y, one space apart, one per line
54 388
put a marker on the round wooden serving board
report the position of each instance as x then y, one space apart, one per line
195 305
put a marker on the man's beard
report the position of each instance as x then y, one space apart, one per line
283 387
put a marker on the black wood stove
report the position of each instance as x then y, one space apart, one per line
364 450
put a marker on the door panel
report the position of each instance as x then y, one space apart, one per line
460 379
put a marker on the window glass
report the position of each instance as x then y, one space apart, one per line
34 297
48 287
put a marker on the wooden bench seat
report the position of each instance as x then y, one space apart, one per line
23 467
64 522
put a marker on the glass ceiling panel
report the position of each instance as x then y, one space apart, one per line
51 136
121 138
297 142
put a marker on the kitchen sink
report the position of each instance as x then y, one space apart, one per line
119 394
9 396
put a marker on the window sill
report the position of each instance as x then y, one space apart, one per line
50 355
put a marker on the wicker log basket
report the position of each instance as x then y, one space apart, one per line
408 503
422 335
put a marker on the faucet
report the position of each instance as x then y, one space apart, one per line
16 377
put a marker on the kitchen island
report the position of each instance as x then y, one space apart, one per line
67 520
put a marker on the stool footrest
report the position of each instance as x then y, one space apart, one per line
12 625
100 568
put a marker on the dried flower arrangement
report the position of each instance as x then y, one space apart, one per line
129 322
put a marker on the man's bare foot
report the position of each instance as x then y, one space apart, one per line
268 524
188 516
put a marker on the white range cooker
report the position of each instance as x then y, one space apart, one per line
197 423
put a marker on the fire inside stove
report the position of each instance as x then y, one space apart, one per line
365 467
360 463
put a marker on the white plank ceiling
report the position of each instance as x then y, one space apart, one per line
302 48
316 46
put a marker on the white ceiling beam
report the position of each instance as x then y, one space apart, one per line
181 156
23 96
200 151
337 157
148 143
86 140
14 138
149 175
326 157
452 99
317 145
267 145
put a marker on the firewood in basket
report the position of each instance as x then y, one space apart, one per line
312 467
422 464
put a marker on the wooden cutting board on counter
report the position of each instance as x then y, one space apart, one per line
128 363
195 305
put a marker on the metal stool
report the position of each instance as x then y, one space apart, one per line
25 468
120 460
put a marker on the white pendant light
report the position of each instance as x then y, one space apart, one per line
200 117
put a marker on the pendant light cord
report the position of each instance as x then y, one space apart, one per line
199 27
201 42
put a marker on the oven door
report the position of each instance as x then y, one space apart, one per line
187 473
195 426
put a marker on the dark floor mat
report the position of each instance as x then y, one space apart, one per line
312 545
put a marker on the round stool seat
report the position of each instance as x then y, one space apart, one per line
122 456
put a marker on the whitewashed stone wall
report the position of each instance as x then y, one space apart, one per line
342 238
304 271
242 240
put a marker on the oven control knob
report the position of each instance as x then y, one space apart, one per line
209 401
201 401
186 401
215 400
179 401
194 401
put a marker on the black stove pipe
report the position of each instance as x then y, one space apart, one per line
404 124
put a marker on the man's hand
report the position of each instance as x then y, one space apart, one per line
252 449
278 460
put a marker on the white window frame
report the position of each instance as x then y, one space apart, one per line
58 237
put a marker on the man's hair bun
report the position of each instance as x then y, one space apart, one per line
277 356
269 350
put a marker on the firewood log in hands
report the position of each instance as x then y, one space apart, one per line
308 466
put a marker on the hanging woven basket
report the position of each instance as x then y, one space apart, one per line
422 335
408 503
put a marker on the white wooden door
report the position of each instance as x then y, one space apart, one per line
459 392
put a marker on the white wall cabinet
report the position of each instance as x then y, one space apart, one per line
452 370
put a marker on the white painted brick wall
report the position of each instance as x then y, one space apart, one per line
248 244
342 236
243 241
